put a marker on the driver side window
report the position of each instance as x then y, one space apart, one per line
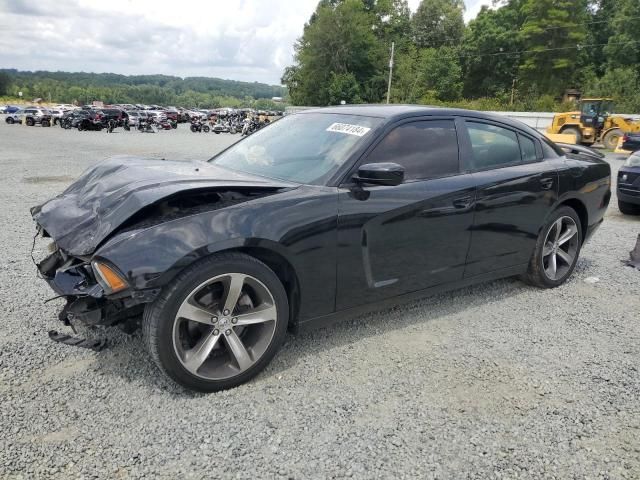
426 149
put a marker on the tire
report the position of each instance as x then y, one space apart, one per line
611 138
166 334
10 120
627 208
206 129
30 122
575 131
537 273
194 129
45 123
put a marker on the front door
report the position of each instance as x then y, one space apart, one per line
399 239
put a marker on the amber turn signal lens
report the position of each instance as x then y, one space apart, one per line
111 278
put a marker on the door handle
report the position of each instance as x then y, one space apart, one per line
462 202
546 183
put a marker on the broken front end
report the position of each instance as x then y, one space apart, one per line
85 284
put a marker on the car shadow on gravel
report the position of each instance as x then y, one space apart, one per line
127 359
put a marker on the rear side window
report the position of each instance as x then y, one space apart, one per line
493 146
426 149
527 149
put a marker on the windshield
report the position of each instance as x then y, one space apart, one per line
633 160
306 148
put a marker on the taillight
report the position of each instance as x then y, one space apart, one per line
625 138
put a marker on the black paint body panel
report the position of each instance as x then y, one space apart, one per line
351 247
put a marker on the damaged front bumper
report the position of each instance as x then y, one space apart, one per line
87 301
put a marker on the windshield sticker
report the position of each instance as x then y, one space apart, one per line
356 130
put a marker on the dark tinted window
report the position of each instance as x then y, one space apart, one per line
528 149
550 150
425 149
493 146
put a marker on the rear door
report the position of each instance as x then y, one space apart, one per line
515 191
399 239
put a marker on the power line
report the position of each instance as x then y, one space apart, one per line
575 47
573 25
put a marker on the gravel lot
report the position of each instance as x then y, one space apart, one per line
496 381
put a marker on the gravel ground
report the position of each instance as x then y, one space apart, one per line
495 381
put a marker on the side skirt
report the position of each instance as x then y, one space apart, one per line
327 320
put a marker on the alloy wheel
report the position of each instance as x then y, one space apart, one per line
560 248
224 326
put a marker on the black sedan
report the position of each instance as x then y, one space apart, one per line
628 187
322 215
631 141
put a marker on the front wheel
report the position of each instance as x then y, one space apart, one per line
612 138
205 128
10 120
45 123
217 324
557 250
30 122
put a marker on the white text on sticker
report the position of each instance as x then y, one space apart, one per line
356 130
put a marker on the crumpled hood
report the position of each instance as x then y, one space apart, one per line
110 192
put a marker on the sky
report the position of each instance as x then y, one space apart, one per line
249 40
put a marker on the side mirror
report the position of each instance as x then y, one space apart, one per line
389 174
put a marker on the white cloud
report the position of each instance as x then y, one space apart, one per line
249 40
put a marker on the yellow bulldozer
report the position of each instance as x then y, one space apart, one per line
594 122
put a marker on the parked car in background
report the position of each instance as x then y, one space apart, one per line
157 115
9 109
116 114
56 115
71 118
64 106
321 215
628 187
171 114
631 141
30 116
135 116
93 120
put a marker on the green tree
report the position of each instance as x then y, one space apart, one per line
338 40
5 81
623 46
552 34
343 86
622 84
489 62
438 23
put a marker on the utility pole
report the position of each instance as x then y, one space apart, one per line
393 44
513 90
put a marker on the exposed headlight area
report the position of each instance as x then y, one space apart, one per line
108 277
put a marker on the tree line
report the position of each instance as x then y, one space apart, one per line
518 54
80 87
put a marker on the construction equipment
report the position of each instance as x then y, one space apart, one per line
594 122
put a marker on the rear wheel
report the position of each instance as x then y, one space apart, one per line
611 138
628 208
30 122
10 120
45 123
218 324
574 131
205 128
557 250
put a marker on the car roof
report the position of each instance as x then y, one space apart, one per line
397 112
